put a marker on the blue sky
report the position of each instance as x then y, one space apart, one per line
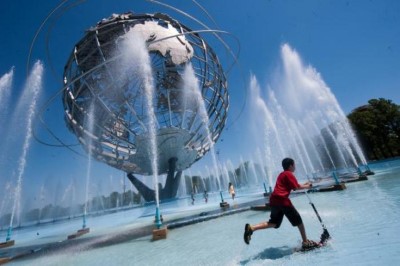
354 45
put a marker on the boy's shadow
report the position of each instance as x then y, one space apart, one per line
271 254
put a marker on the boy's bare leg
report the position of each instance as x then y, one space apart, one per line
249 229
263 225
302 232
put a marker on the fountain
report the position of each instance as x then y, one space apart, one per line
255 167
299 100
29 98
161 101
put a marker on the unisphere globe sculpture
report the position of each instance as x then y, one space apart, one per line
107 113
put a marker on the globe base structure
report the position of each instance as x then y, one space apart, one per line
168 191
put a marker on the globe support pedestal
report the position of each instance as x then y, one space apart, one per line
171 184
160 233
223 204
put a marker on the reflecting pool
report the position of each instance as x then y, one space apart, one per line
363 221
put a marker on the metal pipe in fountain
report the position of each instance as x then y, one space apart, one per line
84 221
9 233
8 242
158 220
366 172
267 193
265 187
337 185
335 177
223 204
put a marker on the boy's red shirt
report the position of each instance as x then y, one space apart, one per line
285 183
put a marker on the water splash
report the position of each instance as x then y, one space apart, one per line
31 96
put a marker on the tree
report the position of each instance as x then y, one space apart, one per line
378 127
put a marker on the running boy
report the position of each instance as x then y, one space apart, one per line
281 204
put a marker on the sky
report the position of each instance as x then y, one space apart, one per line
353 45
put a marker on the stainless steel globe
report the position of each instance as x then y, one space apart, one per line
118 134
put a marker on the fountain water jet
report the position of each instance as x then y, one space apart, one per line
306 114
137 59
5 92
31 96
232 170
90 128
261 164
192 90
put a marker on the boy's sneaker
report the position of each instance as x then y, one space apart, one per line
247 234
309 244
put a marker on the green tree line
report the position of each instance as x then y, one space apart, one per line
377 125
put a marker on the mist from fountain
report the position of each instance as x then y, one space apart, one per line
215 185
270 137
202 181
288 129
254 173
69 196
243 170
99 196
259 161
231 168
182 191
29 98
41 201
311 145
343 139
338 149
192 188
323 143
304 151
225 175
